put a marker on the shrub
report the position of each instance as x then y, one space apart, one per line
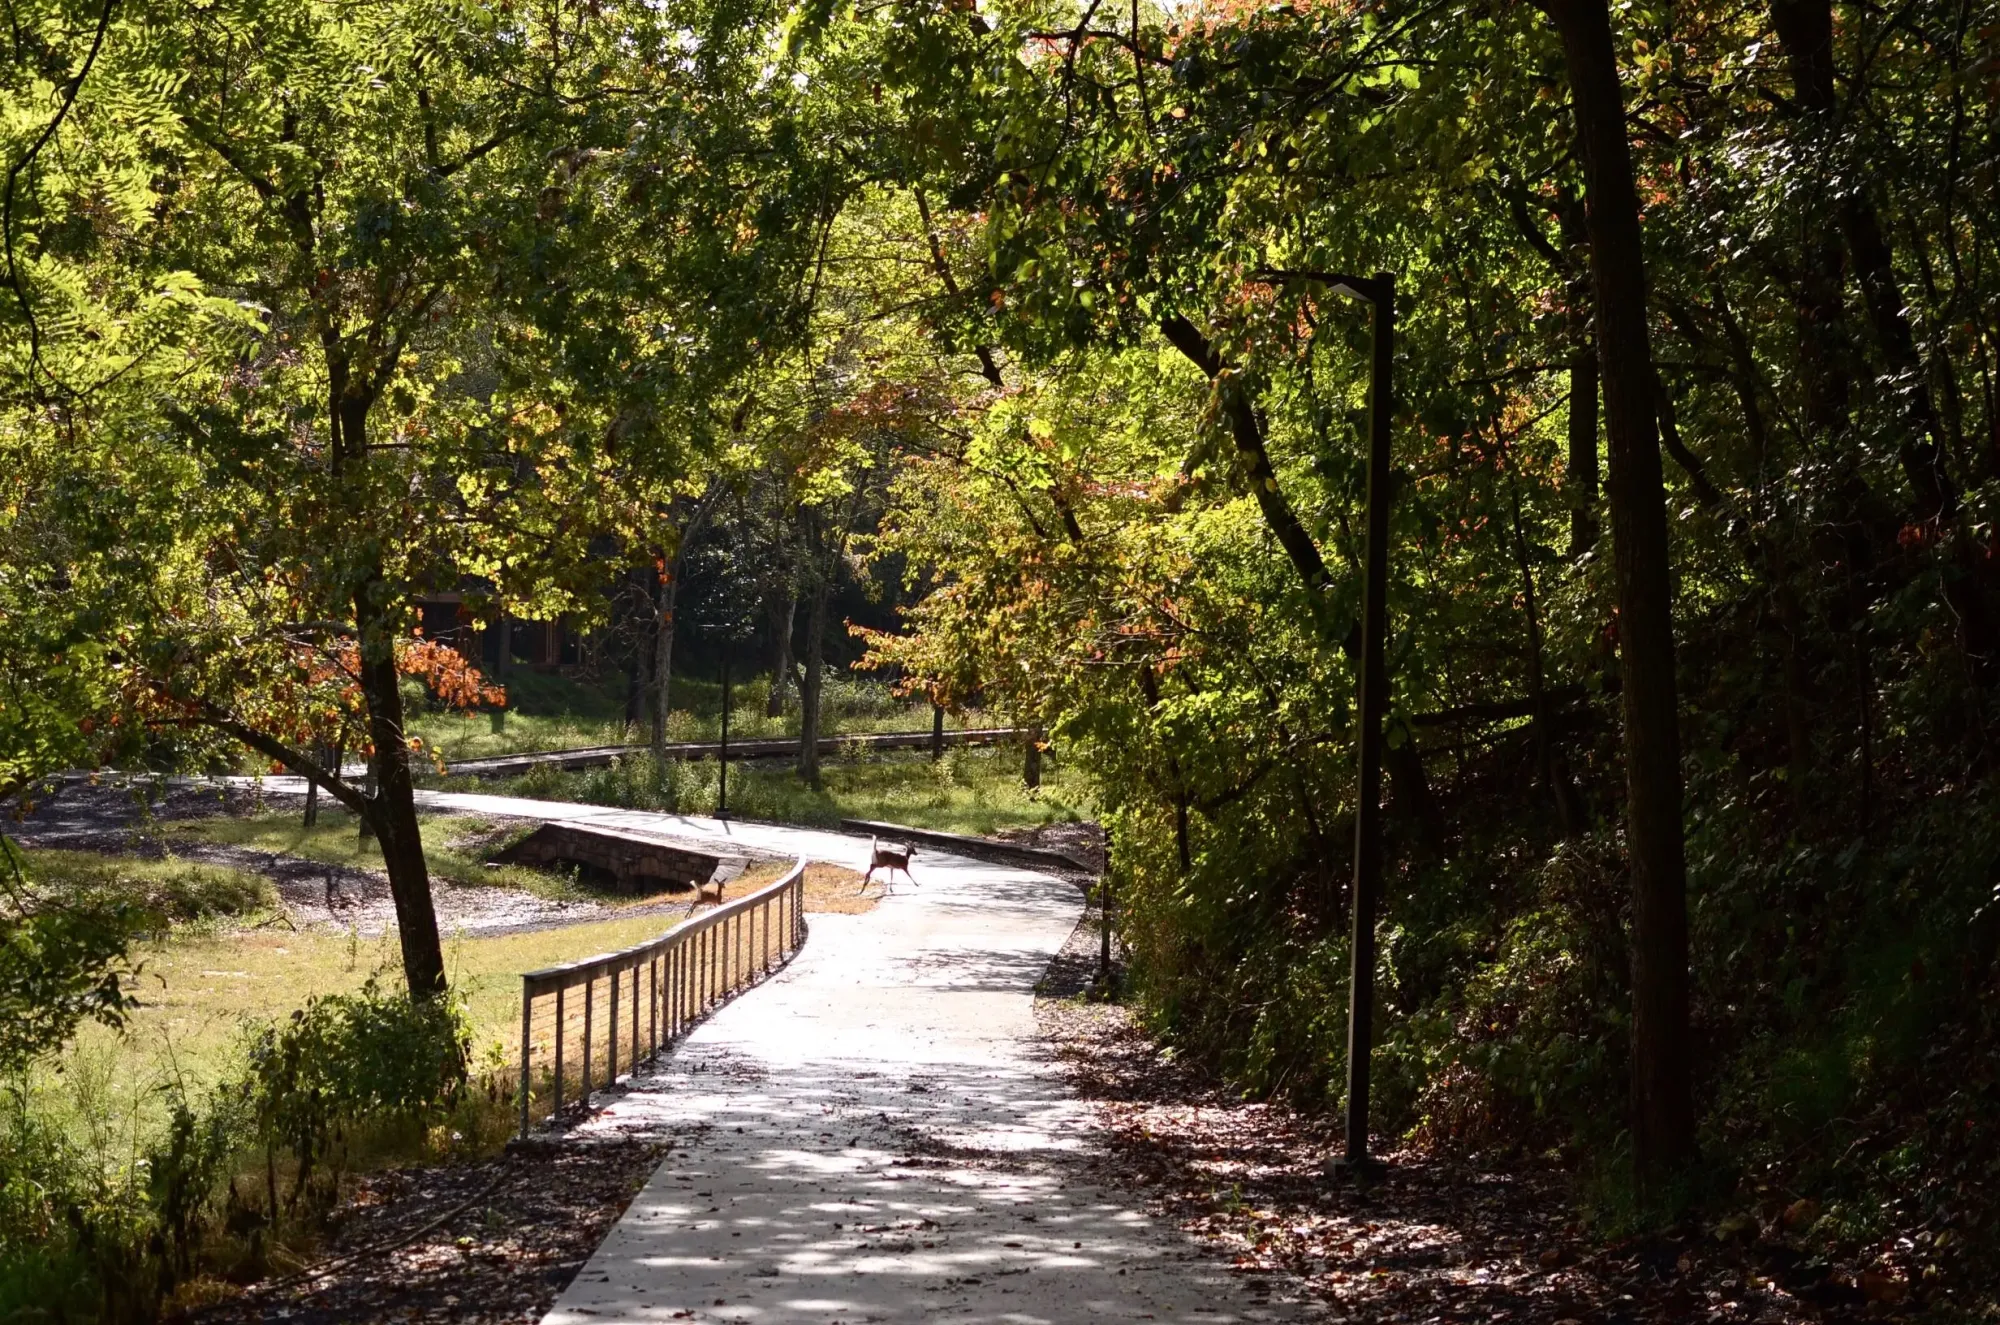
108 1237
173 891
62 962
347 1061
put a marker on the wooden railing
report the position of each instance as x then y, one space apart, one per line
663 987
751 747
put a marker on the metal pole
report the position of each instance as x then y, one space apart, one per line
1374 699
562 1029
527 1049
611 1044
722 795
589 991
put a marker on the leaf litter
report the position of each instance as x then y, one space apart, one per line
1432 1240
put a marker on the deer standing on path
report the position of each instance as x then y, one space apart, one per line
891 859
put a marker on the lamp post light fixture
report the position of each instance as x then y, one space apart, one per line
1379 293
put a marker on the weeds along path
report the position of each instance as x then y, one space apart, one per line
878 1133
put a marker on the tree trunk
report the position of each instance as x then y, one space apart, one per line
505 627
639 615
784 610
1031 760
1580 469
810 680
364 825
395 800
1922 447
1544 771
1149 686
1805 29
937 732
1662 1088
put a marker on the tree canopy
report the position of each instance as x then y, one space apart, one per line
1026 310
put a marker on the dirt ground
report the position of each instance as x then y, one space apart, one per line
471 1244
1430 1240
1082 842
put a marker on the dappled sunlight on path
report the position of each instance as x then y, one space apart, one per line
878 1133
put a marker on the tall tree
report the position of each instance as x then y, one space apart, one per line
1662 1058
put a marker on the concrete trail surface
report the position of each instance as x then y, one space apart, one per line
877 1134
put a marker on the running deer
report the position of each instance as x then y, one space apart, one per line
890 858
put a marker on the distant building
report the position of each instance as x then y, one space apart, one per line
543 645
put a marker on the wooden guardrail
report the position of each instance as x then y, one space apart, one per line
759 747
676 979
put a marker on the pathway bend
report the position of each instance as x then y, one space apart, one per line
878 1133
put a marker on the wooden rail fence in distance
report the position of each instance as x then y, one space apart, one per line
758 747
662 987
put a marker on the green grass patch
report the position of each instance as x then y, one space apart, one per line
203 996
551 712
180 892
971 790
456 846
87 1130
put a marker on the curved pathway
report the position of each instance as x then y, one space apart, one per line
877 1133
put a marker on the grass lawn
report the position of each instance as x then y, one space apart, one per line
551 712
202 994
203 991
455 846
190 895
976 791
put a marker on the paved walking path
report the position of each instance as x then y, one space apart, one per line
877 1133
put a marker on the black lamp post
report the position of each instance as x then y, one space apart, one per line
1379 293
722 755
728 630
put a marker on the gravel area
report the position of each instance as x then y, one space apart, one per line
1082 842
121 817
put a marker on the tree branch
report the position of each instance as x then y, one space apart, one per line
303 765
48 132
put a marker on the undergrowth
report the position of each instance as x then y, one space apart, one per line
103 1225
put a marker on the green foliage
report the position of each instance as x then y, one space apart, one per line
350 1060
88 1233
977 791
63 961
